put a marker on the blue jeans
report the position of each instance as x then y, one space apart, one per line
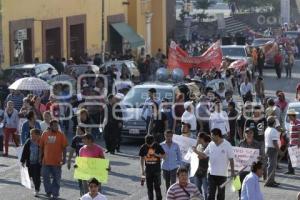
202 184
53 172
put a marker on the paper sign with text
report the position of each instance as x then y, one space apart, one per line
91 168
185 143
294 153
244 157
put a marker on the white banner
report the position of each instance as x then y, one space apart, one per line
244 157
185 143
294 153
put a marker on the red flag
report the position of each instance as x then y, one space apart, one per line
239 65
270 50
178 58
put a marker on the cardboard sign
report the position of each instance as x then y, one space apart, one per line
294 153
244 157
88 168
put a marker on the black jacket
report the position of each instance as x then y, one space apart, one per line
25 158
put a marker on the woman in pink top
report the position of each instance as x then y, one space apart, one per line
89 150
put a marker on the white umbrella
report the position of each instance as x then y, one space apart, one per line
30 83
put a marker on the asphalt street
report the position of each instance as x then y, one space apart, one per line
124 178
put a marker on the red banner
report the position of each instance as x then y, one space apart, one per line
239 65
178 58
270 50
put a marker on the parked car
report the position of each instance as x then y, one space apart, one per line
134 126
23 70
130 65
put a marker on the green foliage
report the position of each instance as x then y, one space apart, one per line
203 4
253 4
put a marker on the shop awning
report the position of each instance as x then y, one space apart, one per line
129 34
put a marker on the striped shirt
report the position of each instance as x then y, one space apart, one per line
294 132
176 192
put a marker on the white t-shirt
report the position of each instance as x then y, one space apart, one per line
98 197
220 121
219 157
271 134
190 118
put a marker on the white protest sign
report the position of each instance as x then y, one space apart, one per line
184 144
194 164
244 157
294 153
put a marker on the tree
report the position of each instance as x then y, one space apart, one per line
203 5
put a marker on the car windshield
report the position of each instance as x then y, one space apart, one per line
260 41
297 109
238 52
137 96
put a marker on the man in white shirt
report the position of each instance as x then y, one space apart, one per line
93 193
246 88
190 118
219 119
220 153
272 137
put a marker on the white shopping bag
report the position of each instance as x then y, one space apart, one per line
25 179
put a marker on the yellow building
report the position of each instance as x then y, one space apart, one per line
42 28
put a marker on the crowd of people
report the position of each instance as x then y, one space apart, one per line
214 119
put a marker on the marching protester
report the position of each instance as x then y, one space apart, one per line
172 160
89 150
246 89
158 123
200 178
16 97
178 110
31 157
53 145
11 123
183 189
277 63
250 187
249 142
93 194
294 135
76 145
259 90
220 154
147 108
189 117
272 150
232 118
150 155
112 127
31 123
219 119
